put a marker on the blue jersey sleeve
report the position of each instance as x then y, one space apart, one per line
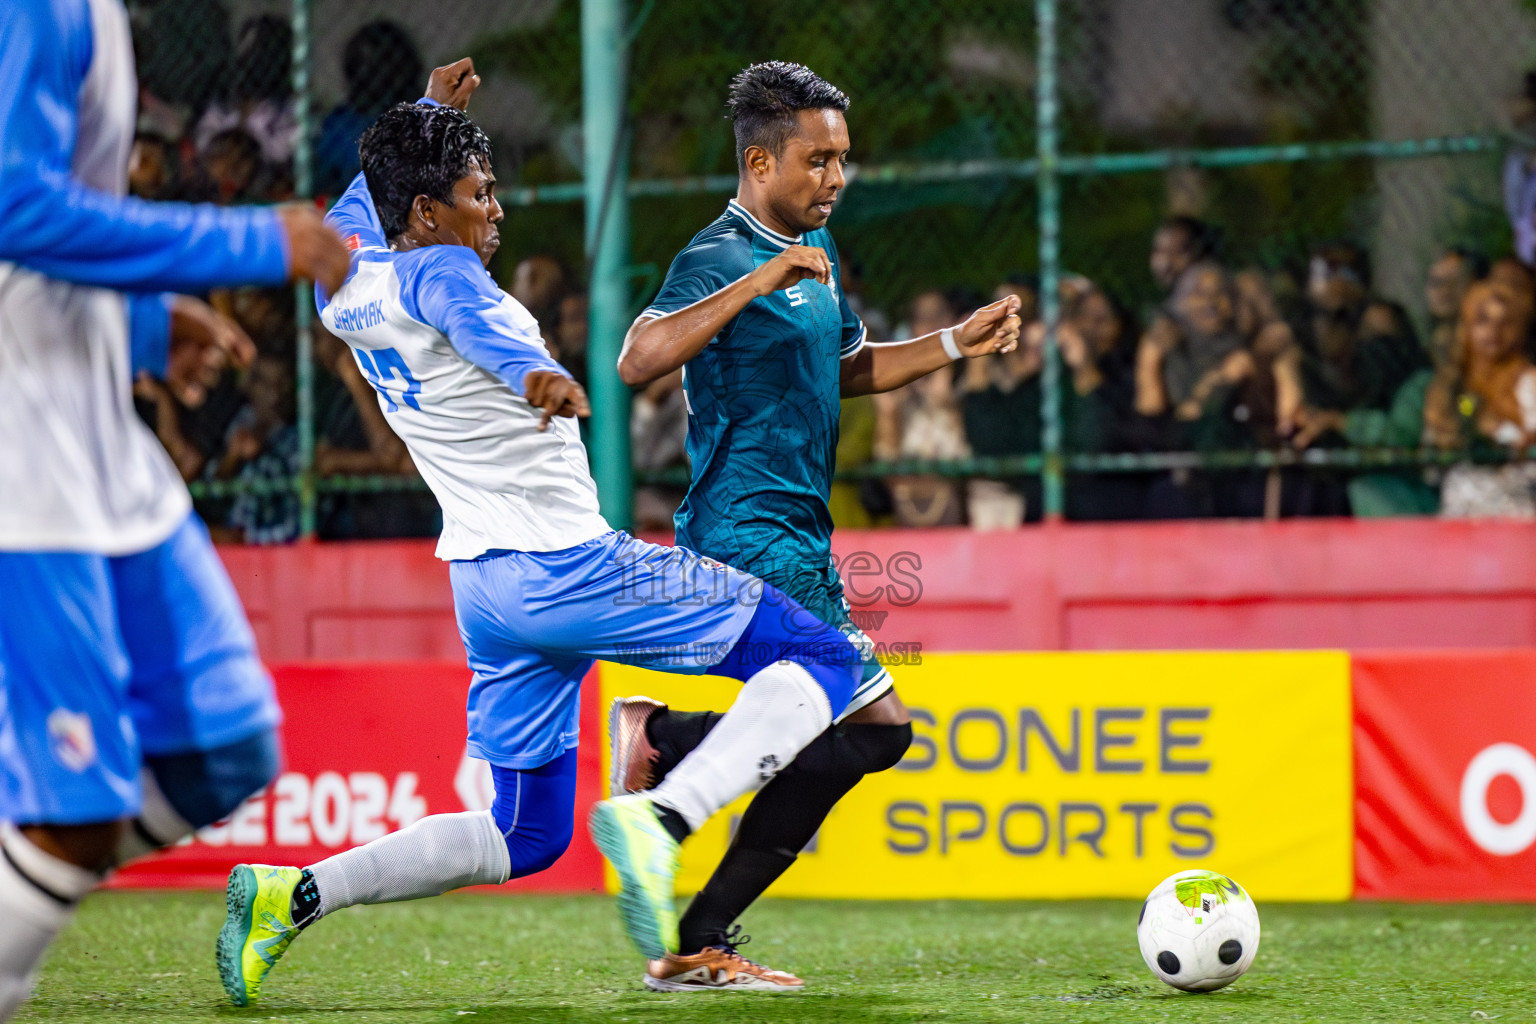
446 287
356 220
149 332
57 226
699 271
355 215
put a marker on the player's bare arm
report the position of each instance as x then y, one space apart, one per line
556 394
876 368
656 346
314 250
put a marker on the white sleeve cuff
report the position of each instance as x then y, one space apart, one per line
947 340
856 344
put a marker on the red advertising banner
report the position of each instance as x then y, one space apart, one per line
370 748
1445 775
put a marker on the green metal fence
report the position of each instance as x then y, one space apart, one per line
990 137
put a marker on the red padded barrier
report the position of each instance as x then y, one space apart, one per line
1224 585
370 747
1445 775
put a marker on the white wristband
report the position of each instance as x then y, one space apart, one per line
947 339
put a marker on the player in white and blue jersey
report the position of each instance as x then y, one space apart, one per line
753 310
132 705
542 585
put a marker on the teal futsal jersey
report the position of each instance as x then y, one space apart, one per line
763 419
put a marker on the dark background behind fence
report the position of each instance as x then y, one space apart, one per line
1284 124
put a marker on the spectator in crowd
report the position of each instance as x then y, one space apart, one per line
160 409
354 439
1359 350
1277 399
382 67
923 421
856 504
262 448
1219 369
151 166
1520 175
1495 405
1401 422
1444 287
1002 398
539 282
1510 273
570 349
1193 358
1097 342
232 169
658 430
259 98
352 435
1178 244
178 419
1363 348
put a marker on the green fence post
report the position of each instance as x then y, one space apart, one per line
1046 151
303 295
605 170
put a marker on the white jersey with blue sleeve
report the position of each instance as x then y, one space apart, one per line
78 470
447 350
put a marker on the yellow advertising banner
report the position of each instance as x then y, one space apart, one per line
1079 774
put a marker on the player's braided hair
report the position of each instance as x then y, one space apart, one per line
416 149
765 99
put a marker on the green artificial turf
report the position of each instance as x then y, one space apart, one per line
489 959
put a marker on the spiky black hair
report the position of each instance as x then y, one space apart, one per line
416 149
765 99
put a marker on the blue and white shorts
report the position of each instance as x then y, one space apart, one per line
534 622
105 660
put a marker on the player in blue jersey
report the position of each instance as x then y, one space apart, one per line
542 586
133 708
754 312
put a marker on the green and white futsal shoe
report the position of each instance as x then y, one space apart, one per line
258 929
645 856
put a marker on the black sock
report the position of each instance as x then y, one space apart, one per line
674 734
717 906
305 906
782 819
675 824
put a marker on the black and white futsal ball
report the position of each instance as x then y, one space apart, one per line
1198 931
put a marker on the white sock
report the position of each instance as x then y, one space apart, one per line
157 826
38 896
779 711
438 853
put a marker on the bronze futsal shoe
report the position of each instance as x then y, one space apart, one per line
718 969
633 759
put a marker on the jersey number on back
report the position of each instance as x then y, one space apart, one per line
381 366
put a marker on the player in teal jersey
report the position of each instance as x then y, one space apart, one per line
754 311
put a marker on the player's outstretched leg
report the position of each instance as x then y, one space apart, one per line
648 739
525 831
799 675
